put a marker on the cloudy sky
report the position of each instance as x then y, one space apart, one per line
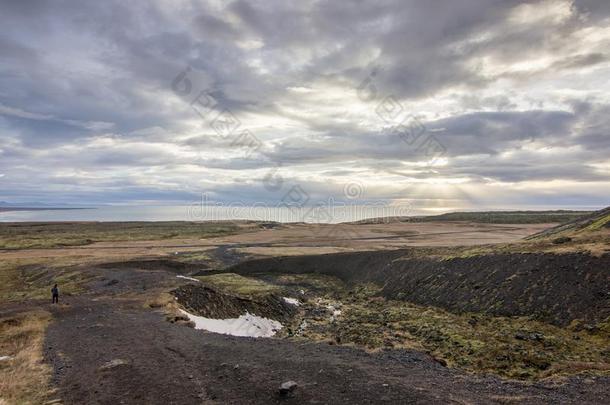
444 104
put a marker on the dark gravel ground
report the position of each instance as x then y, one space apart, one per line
164 363
500 284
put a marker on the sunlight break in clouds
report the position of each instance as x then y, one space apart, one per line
512 98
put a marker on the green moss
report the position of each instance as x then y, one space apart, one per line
597 225
603 329
312 282
236 284
514 347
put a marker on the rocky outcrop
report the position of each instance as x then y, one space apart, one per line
210 303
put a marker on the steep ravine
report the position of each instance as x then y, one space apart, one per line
556 288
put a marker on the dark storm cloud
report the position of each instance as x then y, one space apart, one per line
514 91
468 134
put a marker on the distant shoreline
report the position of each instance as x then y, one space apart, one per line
8 209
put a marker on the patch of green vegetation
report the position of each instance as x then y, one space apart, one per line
194 257
26 279
515 347
598 224
307 281
46 235
603 329
240 285
506 217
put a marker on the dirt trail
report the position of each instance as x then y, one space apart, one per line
170 364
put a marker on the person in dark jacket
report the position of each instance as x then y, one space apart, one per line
55 294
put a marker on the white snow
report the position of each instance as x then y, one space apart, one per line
5 358
335 312
188 278
291 301
246 325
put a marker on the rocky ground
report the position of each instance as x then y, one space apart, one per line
502 284
114 339
111 350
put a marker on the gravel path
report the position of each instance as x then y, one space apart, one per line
108 350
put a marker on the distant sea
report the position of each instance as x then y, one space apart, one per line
335 213
196 212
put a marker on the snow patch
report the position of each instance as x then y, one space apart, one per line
188 278
246 325
291 301
5 358
335 312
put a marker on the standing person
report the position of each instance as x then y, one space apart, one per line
55 293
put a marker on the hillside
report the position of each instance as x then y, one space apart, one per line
502 284
594 221
492 217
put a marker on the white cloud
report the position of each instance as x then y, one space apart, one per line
516 93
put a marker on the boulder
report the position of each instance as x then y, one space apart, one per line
287 388
113 364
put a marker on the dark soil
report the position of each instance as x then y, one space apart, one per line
109 347
350 267
227 255
511 284
502 284
156 362
156 264
210 303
